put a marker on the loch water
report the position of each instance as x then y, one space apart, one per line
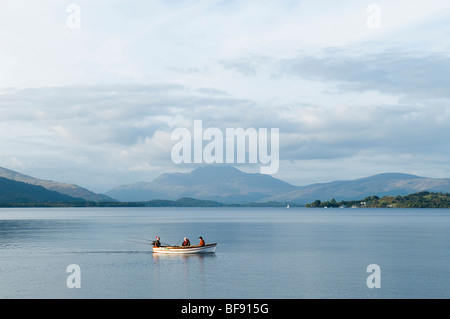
272 253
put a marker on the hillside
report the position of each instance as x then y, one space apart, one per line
67 189
387 184
18 192
416 200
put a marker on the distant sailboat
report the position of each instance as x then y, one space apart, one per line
287 206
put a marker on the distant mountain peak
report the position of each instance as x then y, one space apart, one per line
217 171
394 175
223 168
227 184
222 183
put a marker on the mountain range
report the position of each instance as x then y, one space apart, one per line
224 184
227 184
218 183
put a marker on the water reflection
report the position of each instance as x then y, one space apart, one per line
184 256
187 275
37 233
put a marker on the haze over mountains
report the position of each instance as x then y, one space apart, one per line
224 184
227 184
387 184
220 183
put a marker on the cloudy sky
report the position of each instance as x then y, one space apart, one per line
90 91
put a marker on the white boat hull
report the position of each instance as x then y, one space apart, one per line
210 248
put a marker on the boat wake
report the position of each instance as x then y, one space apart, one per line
113 252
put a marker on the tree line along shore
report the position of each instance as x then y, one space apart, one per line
417 200
423 199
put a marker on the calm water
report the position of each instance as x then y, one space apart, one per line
262 253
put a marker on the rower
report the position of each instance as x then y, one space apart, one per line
186 242
157 242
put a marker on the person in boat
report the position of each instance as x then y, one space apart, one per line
186 242
157 242
202 242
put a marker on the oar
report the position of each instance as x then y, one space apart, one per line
153 242
139 242
178 242
145 239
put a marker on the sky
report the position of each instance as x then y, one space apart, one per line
90 91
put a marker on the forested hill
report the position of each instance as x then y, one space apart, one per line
416 200
18 192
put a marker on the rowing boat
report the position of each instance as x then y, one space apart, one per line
209 248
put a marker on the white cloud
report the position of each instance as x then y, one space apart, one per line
65 134
96 105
